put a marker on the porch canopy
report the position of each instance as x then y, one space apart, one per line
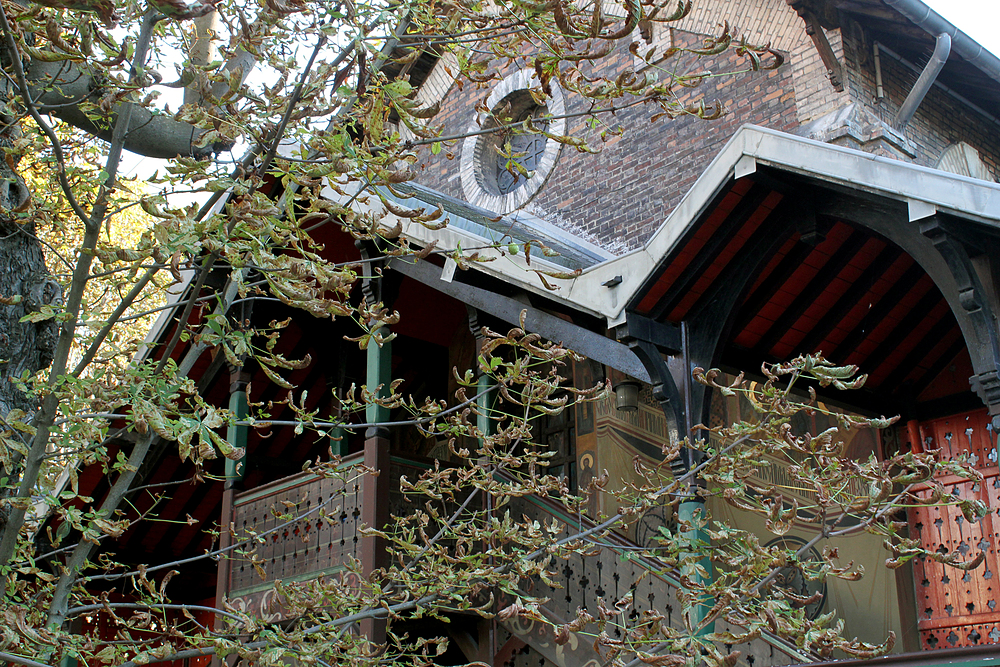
788 246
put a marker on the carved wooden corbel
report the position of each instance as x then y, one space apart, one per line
982 314
833 67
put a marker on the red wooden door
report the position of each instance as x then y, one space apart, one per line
955 607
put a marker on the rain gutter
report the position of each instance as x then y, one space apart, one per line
968 48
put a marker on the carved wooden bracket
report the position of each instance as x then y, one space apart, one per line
833 67
973 298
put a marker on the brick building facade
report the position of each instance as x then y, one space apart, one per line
620 196
808 218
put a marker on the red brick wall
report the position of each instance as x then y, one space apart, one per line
619 196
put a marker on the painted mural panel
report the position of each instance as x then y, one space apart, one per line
609 441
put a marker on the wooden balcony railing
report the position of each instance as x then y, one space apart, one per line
287 548
303 527
307 527
610 572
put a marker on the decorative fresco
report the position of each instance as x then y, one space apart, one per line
609 441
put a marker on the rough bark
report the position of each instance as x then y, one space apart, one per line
25 347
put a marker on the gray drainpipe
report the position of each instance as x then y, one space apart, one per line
964 46
924 82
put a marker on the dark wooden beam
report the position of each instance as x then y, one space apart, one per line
835 263
864 401
760 297
708 253
815 31
710 321
878 310
589 344
195 505
904 328
946 358
882 262
664 335
920 352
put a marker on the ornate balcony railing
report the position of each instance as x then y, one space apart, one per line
305 526
609 572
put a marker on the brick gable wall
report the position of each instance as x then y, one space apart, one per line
620 196
940 121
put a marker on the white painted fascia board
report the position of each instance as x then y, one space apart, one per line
968 197
503 265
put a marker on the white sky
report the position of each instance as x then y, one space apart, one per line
979 19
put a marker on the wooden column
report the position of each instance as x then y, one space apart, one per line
237 435
375 487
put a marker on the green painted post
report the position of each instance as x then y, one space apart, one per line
237 434
338 442
692 512
379 375
486 389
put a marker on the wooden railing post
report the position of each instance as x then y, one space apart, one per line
375 514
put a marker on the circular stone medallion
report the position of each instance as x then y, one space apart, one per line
503 170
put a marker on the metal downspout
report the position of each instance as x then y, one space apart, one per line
942 49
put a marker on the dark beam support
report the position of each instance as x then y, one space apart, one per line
973 298
878 311
948 262
665 384
815 31
851 298
817 285
710 252
781 273
920 352
712 318
683 401
589 344
902 330
664 335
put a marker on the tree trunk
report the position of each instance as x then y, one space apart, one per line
25 347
